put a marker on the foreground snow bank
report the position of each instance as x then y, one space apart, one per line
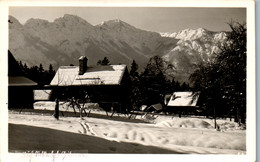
223 125
184 123
199 138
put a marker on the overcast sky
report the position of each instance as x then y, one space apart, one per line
158 19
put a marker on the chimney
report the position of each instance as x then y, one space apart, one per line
83 61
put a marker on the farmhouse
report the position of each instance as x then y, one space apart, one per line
20 88
107 85
183 102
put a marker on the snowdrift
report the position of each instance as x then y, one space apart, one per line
223 125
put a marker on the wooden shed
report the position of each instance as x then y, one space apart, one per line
183 102
20 88
107 85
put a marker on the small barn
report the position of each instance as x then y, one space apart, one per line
107 85
183 102
20 88
154 108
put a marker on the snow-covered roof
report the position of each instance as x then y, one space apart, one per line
98 75
156 106
42 95
20 81
184 99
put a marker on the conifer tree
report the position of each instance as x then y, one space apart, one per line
105 61
134 68
222 82
135 97
155 80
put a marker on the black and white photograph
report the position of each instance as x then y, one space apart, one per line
130 80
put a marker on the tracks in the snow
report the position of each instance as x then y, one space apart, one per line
86 129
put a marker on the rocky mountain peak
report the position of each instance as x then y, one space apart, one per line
14 23
71 20
115 24
36 23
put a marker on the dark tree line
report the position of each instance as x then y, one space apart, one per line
151 85
38 74
222 82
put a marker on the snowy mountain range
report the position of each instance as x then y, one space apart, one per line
64 40
194 47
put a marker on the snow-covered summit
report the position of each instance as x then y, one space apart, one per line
194 46
187 34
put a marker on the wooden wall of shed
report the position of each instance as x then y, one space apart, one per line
97 94
187 110
20 97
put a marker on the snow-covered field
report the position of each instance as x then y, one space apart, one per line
39 130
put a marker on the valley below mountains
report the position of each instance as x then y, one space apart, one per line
64 40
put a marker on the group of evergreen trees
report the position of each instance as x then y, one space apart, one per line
151 85
105 61
222 82
38 74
